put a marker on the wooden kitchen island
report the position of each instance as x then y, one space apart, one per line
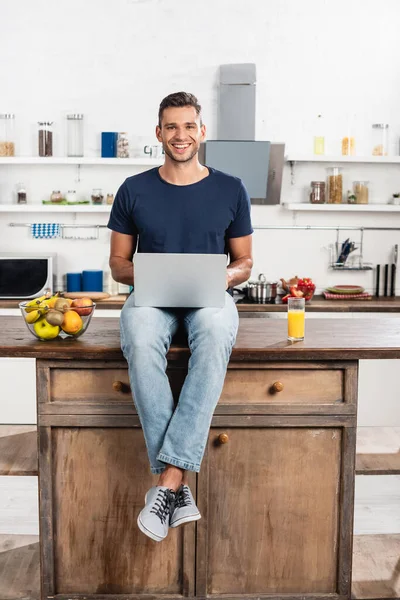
276 488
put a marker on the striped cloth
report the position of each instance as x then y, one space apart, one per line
45 230
363 296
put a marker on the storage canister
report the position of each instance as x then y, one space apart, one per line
380 139
317 193
7 134
335 185
45 138
75 135
360 189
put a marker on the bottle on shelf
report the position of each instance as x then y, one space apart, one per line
75 135
319 137
380 139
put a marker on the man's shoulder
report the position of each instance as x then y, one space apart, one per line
142 179
223 178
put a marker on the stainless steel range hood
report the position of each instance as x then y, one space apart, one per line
258 163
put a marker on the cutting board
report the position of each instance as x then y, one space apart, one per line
92 295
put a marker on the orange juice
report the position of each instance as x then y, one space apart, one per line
296 324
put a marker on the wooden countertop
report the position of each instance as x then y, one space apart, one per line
258 339
318 304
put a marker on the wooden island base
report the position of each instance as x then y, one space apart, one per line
276 488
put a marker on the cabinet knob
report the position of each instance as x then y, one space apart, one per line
120 386
223 438
277 386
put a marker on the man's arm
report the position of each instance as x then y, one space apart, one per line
121 253
241 260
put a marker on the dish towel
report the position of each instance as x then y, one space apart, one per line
362 296
45 230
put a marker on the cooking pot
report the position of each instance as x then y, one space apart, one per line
260 291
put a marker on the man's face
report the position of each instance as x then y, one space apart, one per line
181 133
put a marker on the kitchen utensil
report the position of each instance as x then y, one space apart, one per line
386 280
345 289
393 280
378 273
92 295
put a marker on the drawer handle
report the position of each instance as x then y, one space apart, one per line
277 386
120 386
223 438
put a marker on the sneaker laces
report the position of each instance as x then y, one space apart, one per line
183 497
163 504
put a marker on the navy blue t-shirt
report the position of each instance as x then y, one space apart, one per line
197 219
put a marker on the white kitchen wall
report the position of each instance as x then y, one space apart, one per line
115 62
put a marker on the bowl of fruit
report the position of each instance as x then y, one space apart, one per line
52 317
298 287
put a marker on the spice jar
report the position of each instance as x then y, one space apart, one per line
45 138
70 196
21 193
380 139
335 185
56 197
7 134
317 193
75 135
110 198
122 145
360 189
97 196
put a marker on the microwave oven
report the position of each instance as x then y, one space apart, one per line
27 276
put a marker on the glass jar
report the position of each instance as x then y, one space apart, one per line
45 138
319 138
7 134
70 196
360 189
56 197
380 139
317 193
335 185
348 146
122 145
110 198
75 135
21 193
97 196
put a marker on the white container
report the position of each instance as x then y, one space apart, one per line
75 135
7 134
380 139
70 196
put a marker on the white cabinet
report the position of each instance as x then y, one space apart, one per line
17 391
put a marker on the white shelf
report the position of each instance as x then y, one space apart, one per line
343 159
304 206
63 160
48 208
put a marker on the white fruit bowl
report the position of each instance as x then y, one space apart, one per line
73 325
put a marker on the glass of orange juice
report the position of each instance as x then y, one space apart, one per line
296 319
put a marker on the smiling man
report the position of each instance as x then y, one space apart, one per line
181 207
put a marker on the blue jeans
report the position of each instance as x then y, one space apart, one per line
177 436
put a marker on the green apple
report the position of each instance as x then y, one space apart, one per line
44 330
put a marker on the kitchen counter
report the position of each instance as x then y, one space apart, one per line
257 338
318 304
282 442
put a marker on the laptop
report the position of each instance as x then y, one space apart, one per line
180 280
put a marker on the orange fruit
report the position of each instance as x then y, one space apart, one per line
72 322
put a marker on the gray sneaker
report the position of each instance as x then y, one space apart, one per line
153 519
185 509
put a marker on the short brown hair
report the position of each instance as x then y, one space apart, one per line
178 99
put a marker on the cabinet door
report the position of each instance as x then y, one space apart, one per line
93 483
274 515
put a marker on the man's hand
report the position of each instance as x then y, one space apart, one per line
239 268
